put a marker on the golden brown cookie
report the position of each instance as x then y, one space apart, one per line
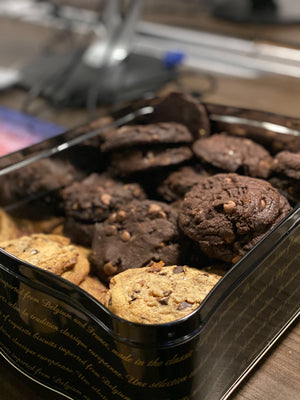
96 288
81 269
50 252
8 228
158 294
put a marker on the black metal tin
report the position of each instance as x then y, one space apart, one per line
62 337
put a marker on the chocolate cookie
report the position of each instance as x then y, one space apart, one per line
93 199
137 135
184 109
179 182
227 214
234 154
79 232
41 177
287 164
286 170
135 235
141 160
159 294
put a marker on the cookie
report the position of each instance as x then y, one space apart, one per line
227 214
288 187
159 294
234 154
39 178
179 182
137 135
184 109
79 232
96 288
81 269
287 164
140 160
8 227
94 198
50 252
135 235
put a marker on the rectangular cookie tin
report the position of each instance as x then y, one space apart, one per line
61 337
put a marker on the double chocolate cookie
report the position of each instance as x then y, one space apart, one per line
93 200
137 135
135 161
233 154
179 182
184 109
133 236
227 214
286 175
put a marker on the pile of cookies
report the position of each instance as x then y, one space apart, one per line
151 233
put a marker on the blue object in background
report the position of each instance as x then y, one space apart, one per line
172 59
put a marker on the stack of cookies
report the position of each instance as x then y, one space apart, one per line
176 206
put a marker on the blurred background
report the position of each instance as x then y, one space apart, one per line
93 55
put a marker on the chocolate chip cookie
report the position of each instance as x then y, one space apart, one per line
8 228
158 293
227 214
234 154
138 233
96 288
53 253
137 135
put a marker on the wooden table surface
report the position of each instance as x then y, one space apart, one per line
277 376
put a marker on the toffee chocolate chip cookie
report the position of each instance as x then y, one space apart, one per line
8 228
233 154
96 288
137 135
227 214
184 109
53 253
179 182
93 199
159 294
140 160
135 235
